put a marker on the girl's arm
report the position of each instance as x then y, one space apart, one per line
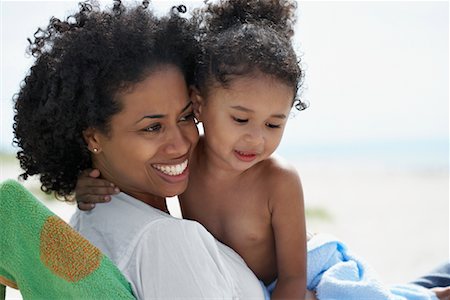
91 189
288 223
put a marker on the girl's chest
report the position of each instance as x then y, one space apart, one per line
238 216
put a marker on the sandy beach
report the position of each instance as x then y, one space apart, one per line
397 220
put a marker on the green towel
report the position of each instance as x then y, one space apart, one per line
2 291
45 258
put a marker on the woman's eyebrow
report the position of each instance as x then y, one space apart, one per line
160 116
187 106
151 117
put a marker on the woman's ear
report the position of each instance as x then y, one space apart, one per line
197 101
91 137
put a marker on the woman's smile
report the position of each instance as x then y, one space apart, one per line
173 172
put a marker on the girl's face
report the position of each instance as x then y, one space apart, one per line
147 151
244 123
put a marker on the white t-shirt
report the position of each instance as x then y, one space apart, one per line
165 257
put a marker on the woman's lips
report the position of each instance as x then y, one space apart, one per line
173 173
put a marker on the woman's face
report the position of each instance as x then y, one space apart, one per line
147 151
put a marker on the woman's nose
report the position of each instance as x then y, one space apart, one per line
177 143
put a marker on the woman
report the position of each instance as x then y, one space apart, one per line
109 90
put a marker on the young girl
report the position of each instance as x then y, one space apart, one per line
247 81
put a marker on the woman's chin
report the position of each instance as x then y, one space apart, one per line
173 185
175 189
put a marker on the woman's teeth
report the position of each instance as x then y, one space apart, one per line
172 170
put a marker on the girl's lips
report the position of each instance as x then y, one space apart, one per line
245 156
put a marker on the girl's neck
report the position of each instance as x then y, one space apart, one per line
211 167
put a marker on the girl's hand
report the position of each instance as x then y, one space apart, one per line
443 293
90 189
310 295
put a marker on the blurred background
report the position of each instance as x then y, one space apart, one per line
372 148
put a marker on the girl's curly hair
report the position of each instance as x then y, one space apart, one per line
81 63
240 37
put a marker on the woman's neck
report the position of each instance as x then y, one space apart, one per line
157 202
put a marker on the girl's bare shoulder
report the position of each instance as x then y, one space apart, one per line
278 174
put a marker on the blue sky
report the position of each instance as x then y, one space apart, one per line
375 72
376 69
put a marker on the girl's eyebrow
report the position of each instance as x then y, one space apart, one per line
160 116
248 110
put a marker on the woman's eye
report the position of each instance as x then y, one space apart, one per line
153 128
188 117
272 125
241 121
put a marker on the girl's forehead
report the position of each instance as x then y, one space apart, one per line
258 93
252 80
253 84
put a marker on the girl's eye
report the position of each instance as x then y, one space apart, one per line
188 117
153 128
241 121
273 125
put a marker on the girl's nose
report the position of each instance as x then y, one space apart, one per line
254 136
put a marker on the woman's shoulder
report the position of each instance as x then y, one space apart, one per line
176 230
177 258
116 227
183 260
152 226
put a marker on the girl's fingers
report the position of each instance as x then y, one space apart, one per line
88 181
94 173
85 206
92 199
98 191
89 177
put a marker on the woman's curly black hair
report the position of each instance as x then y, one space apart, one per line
81 63
240 37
